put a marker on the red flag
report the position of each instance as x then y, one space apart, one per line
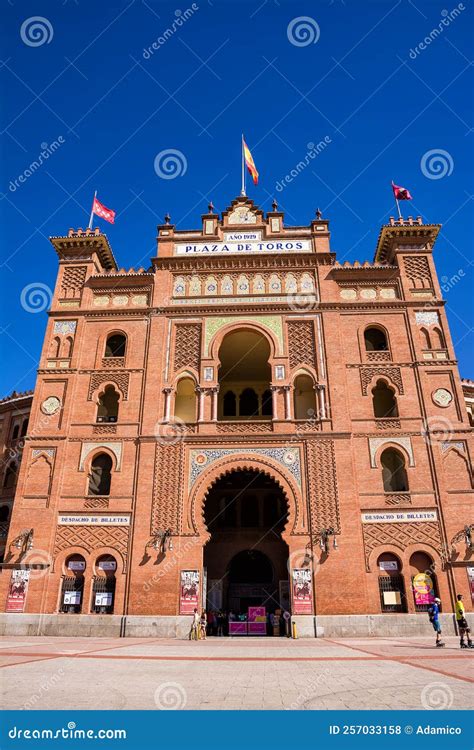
401 193
105 213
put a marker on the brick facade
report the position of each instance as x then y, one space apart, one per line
312 314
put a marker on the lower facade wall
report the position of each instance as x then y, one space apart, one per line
307 626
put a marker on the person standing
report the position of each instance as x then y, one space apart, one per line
433 613
461 622
203 625
194 632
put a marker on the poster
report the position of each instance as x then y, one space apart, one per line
302 595
103 599
17 590
189 592
257 621
470 575
423 589
72 597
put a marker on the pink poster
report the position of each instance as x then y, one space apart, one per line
16 598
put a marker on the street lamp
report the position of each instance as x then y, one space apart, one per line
24 541
468 536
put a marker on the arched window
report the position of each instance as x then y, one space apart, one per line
394 474
391 583
425 338
55 346
10 476
185 401
229 404
16 431
438 339
267 403
248 403
103 589
107 410
384 401
101 475
24 427
375 340
304 397
68 347
72 586
116 345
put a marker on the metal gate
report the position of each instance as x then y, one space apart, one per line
103 595
71 594
392 594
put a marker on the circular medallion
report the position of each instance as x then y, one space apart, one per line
51 405
442 397
289 458
200 459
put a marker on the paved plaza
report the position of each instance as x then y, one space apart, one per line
224 673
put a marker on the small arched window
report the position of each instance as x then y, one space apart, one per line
101 475
384 401
304 397
68 344
10 476
116 345
394 474
185 401
425 338
108 407
248 403
438 339
16 431
24 427
55 347
229 404
375 340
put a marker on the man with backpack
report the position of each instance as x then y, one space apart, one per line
433 613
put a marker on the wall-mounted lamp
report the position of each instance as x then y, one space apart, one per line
325 538
161 541
468 536
24 541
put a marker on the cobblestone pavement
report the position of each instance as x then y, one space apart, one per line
224 673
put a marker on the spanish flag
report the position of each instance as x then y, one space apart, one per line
250 162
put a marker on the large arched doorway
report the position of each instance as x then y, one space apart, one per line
245 559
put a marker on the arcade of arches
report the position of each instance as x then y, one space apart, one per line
246 559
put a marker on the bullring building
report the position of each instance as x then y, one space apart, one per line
246 422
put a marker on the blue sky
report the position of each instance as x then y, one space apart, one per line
287 74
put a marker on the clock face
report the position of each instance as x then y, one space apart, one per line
442 397
51 405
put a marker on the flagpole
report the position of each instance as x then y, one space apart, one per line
398 207
92 212
242 192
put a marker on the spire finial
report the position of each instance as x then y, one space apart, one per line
210 208
274 205
167 218
318 214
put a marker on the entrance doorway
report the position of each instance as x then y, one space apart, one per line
246 557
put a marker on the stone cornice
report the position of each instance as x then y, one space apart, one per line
226 263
